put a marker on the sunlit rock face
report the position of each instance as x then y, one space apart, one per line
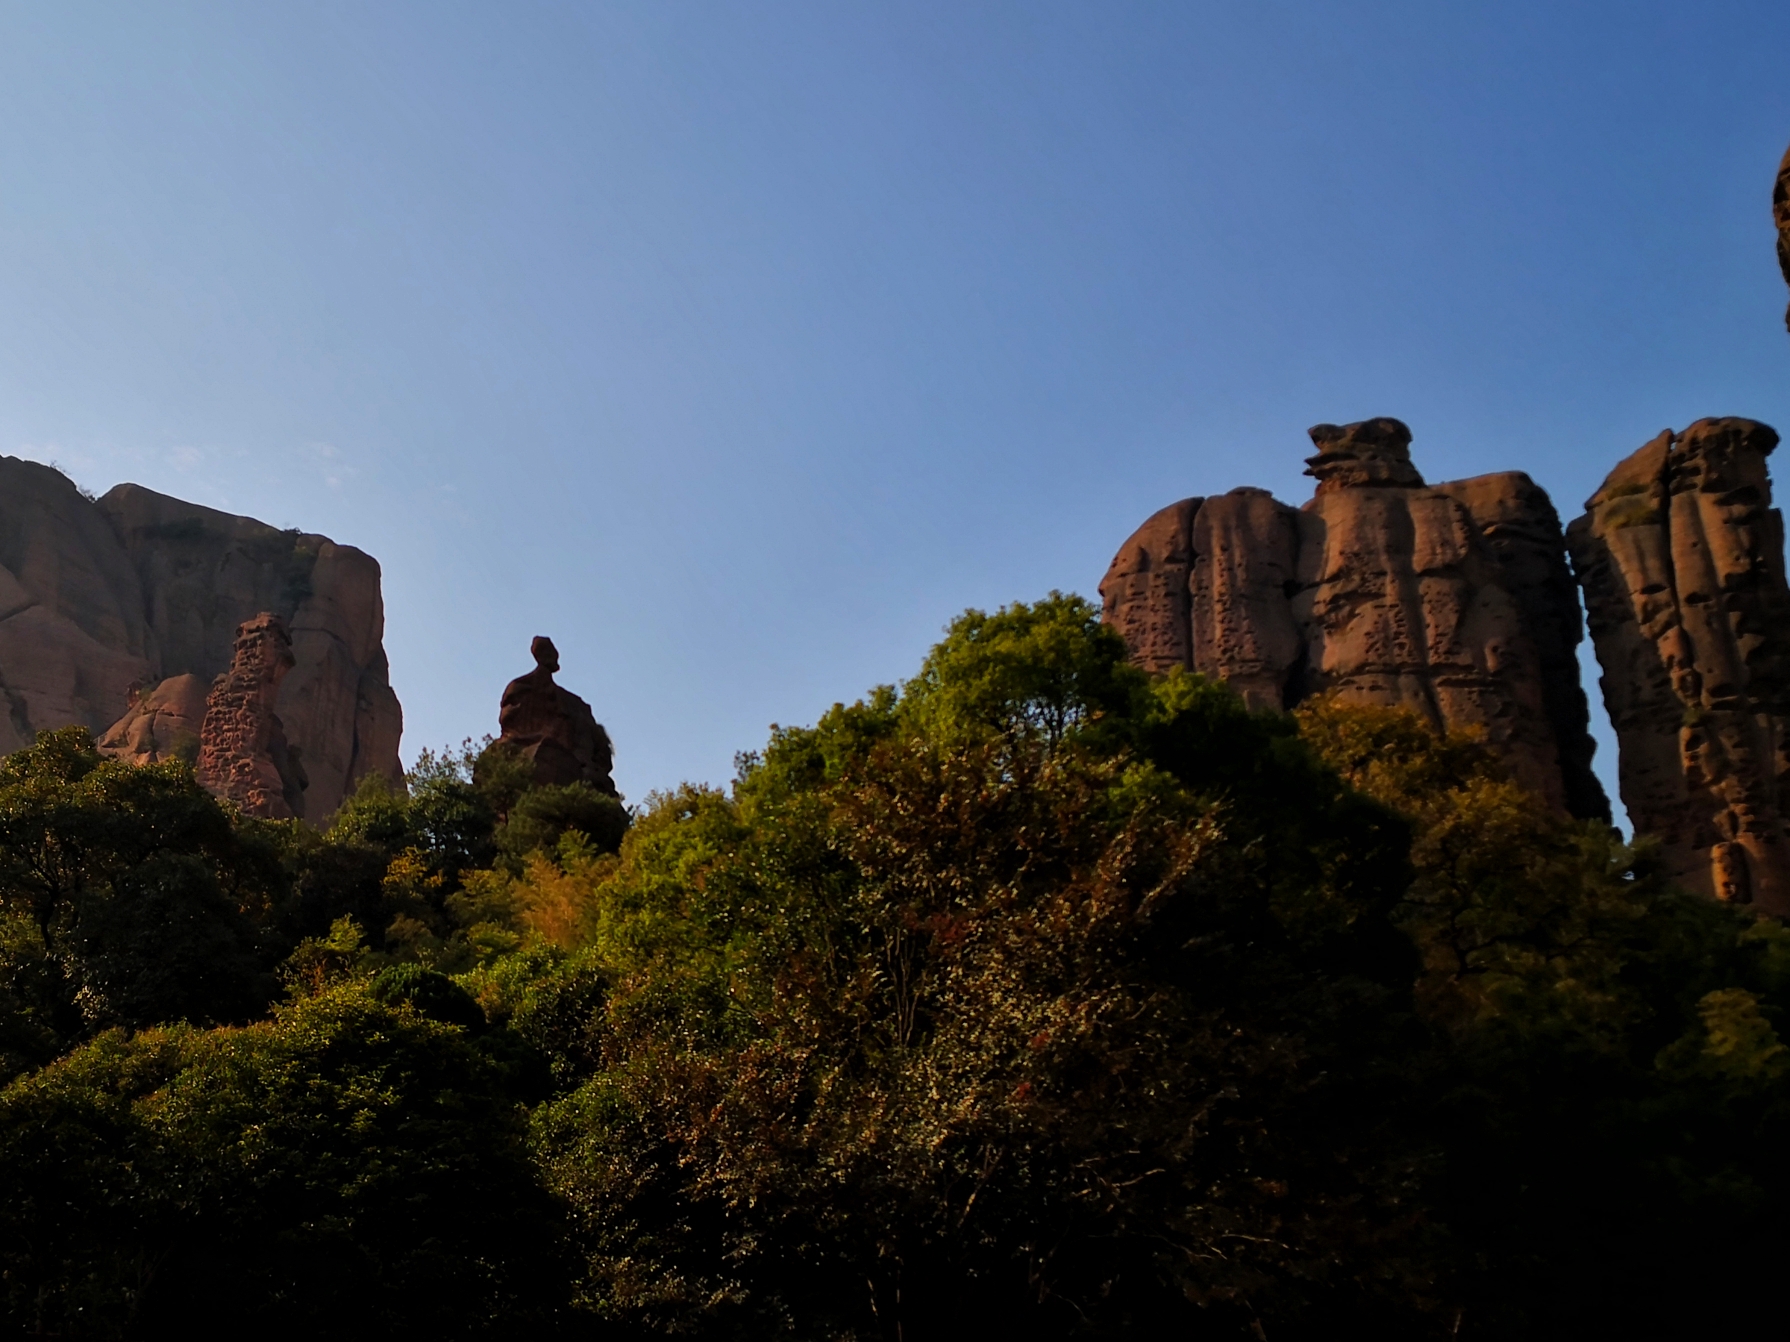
1454 601
103 598
1682 559
244 755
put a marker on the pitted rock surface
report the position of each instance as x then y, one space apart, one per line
243 752
98 597
555 729
1682 559
1453 601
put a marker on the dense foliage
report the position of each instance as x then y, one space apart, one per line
1033 995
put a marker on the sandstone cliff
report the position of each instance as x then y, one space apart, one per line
1454 601
553 728
100 598
1682 559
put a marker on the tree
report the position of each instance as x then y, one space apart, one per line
351 1167
988 1000
131 897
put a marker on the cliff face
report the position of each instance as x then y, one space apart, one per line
1682 559
1453 601
102 598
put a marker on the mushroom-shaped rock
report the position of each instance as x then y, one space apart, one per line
553 728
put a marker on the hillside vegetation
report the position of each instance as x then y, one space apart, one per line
1032 998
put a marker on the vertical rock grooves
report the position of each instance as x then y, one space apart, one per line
1454 601
1682 559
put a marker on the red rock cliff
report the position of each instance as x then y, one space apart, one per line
103 598
1454 601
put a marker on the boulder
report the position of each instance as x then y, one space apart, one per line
1682 560
1453 601
244 755
162 723
553 728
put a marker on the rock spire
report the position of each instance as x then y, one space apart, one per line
1454 601
1682 559
554 728
243 752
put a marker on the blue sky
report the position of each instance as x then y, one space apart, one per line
739 346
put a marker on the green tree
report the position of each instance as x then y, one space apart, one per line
130 896
987 1003
352 1167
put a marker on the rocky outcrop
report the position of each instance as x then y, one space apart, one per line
1453 601
1682 559
100 599
554 728
161 724
244 755
1780 212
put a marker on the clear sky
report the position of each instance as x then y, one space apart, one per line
739 346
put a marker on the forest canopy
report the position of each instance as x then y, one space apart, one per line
1030 994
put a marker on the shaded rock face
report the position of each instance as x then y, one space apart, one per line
1682 559
102 597
1453 601
244 755
1780 211
554 728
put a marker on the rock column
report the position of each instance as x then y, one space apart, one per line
1682 559
243 753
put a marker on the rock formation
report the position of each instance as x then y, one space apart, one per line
1454 601
554 728
100 598
243 752
1682 559
1780 212
161 724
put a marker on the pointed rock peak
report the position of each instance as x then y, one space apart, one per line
1372 452
545 654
